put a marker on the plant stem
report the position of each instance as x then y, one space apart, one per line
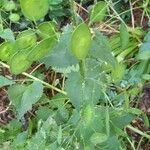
82 67
126 52
72 5
37 79
139 132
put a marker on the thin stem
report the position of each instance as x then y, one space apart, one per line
82 67
72 5
139 132
37 79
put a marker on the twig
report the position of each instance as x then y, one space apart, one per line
138 131
37 79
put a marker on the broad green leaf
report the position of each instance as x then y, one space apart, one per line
47 131
57 100
23 97
86 91
20 140
124 36
118 72
74 89
43 113
46 30
146 77
147 37
98 138
41 49
6 50
15 93
5 81
98 12
121 119
7 34
81 41
112 143
62 115
61 52
19 62
144 51
31 95
101 49
34 9
26 39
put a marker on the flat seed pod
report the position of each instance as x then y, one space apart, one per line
98 12
6 50
81 41
19 63
26 39
34 9
41 49
46 30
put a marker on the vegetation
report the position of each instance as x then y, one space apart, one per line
74 75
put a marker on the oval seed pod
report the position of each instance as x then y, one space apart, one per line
26 39
81 41
14 17
19 63
9 5
6 50
46 30
41 49
34 9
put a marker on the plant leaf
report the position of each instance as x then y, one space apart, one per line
101 50
144 51
61 52
4 81
19 62
98 12
23 97
85 91
124 36
31 95
42 48
34 9
7 34
98 138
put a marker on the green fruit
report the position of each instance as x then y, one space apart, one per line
19 63
9 6
42 49
14 17
6 50
46 30
34 9
26 39
81 41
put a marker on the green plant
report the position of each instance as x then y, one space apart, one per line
83 111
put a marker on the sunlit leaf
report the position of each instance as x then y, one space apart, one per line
98 12
124 36
5 81
34 9
81 41
41 49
